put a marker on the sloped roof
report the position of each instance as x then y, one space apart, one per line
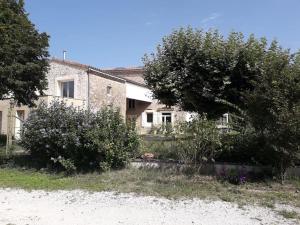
134 74
131 75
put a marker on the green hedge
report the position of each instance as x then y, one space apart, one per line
61 136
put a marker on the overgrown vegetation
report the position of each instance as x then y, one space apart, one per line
158 183
197 141
64 137
193 143
256 82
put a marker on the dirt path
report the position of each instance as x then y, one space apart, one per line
19 207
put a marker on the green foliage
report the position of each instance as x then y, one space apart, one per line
67 164
164 129
23 54
273 109
162 149
259 83
244 147
203 71
65 137
197 141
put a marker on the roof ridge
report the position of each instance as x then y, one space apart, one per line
123 68
85 66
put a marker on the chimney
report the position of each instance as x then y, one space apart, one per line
64 54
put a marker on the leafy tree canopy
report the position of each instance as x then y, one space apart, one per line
273 109
23 54
205 72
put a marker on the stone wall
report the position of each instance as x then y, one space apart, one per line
214 169
99 96
157 109
59 72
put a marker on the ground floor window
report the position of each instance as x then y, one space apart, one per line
166 118
150 117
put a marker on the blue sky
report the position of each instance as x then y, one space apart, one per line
117 33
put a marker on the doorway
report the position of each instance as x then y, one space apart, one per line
166 118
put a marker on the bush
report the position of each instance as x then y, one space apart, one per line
245 147
197 141
64 137
233 176
162 149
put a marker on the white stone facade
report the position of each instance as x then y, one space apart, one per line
94 88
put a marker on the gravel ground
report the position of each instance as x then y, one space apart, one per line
19 207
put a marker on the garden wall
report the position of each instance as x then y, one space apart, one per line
212 169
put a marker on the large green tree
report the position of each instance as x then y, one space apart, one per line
23 54
273 109
204 72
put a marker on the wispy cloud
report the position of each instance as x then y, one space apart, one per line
211 17
149 23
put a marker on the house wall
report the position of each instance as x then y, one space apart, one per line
99 97
90 89
4 108
142 108
5 104
136 113
59 72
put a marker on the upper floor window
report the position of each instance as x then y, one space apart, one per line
67 89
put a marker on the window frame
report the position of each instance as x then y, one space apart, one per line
164 117
68 88
147 118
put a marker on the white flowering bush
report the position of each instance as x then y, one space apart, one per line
61 136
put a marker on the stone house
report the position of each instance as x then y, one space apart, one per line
89 87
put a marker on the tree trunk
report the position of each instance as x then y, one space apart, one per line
282 172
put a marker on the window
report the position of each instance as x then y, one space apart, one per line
21 115
67 89
131 103
108 90
223 121
149 117
166 118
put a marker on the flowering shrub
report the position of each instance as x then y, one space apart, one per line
61 136
233 176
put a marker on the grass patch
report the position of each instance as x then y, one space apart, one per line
156 183
289 214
